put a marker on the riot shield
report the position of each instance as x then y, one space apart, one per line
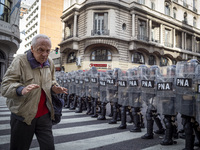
186 81
134 87
112 85
166 91
87 87
103 87
123 98
94 82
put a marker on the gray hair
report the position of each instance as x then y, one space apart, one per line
34 40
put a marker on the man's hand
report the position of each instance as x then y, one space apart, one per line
58 90
29 88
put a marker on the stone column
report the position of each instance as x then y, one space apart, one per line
133 25
75 25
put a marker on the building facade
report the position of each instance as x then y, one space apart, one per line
9 32
43 17
127 33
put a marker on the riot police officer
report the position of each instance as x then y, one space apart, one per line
167 99
186 82
148 85
103 95
135 100
112 94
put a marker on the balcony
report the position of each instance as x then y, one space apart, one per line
184 22
155 40
100 32
142 37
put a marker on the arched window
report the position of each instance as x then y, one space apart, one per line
2 56
163 61
71 57
167 8
101 55
174 12
194 22
138 58
152 60
185 18
153 5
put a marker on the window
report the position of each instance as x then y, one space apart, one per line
167 8
101 55
71 57
142 30
185 18
174 12
194 22
138 58
152 60
153 5
141 1
100 24
5 10
168 38
163 61
68 31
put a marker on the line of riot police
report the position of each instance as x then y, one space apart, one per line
166 91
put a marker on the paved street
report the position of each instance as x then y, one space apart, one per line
80 132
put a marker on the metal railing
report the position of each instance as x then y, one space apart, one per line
142 37
100 32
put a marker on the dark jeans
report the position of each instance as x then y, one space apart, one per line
22 134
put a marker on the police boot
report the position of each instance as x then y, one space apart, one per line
160 130
123 118
197 133
73 106
79 108
150 121
131 116
111 111
175 131
168 132
149 134
95 115
88 106
189 137
118 114
103 112
114 118
136 120
68 101
142 120
189 142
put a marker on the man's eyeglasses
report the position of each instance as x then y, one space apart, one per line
41 51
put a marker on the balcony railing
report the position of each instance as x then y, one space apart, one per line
142 37
168 44
185 22
189 48
100 32
155 40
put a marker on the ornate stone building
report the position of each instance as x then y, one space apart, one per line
9 32
125 33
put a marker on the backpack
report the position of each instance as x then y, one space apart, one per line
58 104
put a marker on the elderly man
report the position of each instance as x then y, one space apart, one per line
28 84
